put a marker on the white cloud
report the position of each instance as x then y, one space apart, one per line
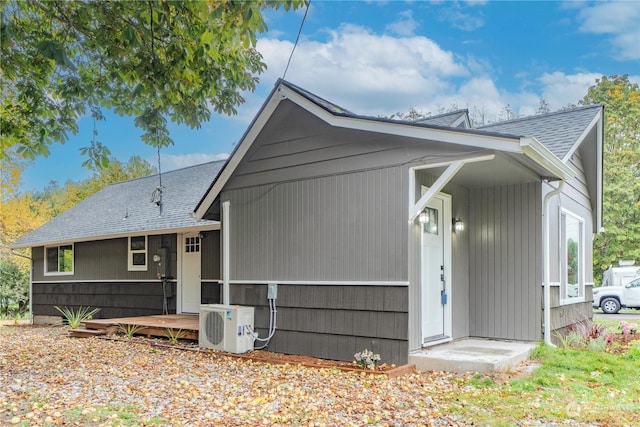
461 20
405 25
357 69
621 20
560 89
172 161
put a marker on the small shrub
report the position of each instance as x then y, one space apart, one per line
597 345
129 330
175 335
74 318
367 359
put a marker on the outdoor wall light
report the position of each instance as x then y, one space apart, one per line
423 217
458 225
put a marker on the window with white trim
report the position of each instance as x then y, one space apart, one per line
58 260
137 253
572 258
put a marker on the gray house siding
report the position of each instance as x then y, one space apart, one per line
210 268
107 260
332 322
575 198
505 237
348 227
115 299
101 278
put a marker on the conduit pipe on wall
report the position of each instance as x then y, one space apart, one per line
546 265
225 252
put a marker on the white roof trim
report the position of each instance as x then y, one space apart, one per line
448 135
243 147
536 151
597 118
208 227
451 136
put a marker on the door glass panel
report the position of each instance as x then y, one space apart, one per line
430 226
192 244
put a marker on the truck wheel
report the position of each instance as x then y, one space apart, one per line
610 305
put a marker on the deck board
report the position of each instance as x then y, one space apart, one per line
155 325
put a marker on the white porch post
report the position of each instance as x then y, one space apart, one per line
225 252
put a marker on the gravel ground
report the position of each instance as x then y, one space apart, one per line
49 379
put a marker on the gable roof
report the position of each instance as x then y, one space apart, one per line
459 118
559 131
125 209
529 149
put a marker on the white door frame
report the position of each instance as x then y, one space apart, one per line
446 259
180 268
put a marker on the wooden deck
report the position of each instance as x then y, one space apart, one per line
156 325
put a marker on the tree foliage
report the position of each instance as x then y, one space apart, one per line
157 60
621 192
14 286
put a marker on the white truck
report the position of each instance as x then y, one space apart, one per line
620 288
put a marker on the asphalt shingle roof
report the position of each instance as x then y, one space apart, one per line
126 207
558 131
446 119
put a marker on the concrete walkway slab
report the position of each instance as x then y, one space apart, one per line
472 355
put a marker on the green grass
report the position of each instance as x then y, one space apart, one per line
569 384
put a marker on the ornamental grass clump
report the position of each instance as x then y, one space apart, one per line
367 359
74 318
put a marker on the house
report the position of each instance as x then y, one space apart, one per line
380 234
111 250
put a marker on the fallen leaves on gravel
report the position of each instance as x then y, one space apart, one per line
49 379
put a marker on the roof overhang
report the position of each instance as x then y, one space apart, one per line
527 151
212 225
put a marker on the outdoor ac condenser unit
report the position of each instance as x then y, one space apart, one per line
226 327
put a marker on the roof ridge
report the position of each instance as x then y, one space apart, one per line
540 116
450 113
155 175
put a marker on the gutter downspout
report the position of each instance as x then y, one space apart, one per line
225 252
546 266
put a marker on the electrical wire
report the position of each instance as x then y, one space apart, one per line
297 39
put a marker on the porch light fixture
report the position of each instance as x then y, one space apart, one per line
423 217
458 225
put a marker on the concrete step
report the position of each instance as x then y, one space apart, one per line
472 355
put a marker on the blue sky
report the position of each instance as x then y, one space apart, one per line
380 58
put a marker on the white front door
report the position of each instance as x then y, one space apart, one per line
435 289
190 283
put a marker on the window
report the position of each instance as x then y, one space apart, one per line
138 253
192 244
572 258
58 260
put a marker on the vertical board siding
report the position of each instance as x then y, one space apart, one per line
107 260
332 322
210 256
114 299
505 236
348 227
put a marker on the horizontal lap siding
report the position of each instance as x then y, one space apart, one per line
107 260
505 237
114 299
332 322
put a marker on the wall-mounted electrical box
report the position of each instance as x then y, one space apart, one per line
272 291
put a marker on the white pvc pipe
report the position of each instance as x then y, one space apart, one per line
225 252
546 274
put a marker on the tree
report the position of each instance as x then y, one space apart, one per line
543 107
621 192
14 286
155 60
